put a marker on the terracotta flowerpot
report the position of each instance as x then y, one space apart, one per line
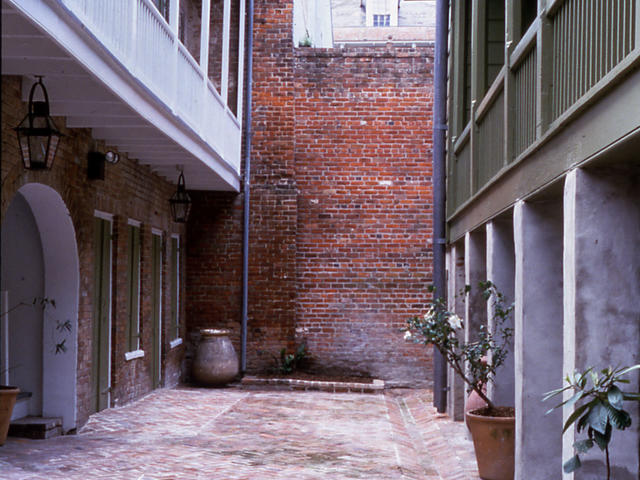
494 444
474 402
8 397
216 361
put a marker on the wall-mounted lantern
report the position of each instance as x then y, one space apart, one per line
38 135
180 202
96 161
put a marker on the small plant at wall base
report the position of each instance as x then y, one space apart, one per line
600 412
290 362
439 327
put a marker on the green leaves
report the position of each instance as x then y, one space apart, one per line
572 464
615 397
598 417
475 362
601 410
583 446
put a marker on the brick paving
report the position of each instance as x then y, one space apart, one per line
253 434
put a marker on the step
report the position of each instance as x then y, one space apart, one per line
376 386
36 427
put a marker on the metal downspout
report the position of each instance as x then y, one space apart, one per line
439 188
247 195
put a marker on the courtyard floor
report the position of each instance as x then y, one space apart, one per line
254 434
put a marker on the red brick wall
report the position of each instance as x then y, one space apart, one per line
363 171
128 191
340 221
272 257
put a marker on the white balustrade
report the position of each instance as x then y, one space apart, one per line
137 34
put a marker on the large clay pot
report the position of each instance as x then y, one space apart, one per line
216 361
494 442
8 397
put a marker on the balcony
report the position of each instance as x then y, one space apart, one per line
119 68
573 54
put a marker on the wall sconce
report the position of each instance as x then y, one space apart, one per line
96 161
180 202
38 135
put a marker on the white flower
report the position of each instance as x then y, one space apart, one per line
407 335
455 321
430 313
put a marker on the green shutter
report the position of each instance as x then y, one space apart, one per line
175 287
133 290
156 299
101 313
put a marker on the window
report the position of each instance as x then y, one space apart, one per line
133 287
381 20
175 287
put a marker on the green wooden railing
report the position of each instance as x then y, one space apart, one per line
490 153
525 97
590 37
572 51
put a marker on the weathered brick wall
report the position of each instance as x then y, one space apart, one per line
128 191
340 208
272 268
363 171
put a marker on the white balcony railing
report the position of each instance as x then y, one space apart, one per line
138 36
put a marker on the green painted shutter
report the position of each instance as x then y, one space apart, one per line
101 314
175 286
133 291
156 309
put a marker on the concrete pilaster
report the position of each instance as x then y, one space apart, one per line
602 292
475 271
501 271
538 337
457 394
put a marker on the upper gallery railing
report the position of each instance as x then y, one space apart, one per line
571 52
590 37
140 38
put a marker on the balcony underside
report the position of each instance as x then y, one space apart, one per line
92 89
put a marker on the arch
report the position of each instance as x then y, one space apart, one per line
62 283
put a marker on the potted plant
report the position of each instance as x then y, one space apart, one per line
492 427
599 403
8 393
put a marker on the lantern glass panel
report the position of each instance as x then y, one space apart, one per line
38 145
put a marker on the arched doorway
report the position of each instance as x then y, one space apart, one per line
40 260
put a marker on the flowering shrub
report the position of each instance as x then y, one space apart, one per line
475 362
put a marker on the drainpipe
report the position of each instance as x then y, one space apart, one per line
247 195
439 188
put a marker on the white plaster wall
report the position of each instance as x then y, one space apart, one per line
62 283
538 337
23 278
602 287
456 282
475 265
501 271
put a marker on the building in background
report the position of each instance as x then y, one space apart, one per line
159 84
544 200
382 21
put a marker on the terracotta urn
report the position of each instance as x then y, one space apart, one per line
216 361
494 444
